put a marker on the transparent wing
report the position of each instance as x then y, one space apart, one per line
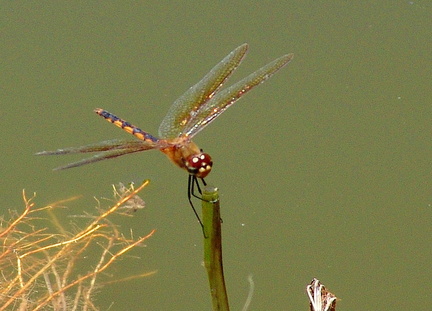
187 105
225 98
108 150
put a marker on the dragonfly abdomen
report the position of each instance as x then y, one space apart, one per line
132 129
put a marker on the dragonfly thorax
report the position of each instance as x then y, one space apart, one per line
199 165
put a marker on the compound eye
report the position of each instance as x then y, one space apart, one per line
199 165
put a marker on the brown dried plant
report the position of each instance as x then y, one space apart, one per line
39 269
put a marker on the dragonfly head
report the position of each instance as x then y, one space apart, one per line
199 165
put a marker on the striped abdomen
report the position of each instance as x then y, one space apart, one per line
132 129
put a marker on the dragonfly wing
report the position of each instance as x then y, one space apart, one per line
225 98
99 157
108 150
102 146
187 105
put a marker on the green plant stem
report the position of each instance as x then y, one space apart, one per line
213 248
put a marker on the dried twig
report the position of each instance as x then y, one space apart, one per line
38 269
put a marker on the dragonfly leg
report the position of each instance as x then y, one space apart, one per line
192 180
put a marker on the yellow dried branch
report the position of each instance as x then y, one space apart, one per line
37 271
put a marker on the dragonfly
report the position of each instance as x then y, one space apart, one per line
188 115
